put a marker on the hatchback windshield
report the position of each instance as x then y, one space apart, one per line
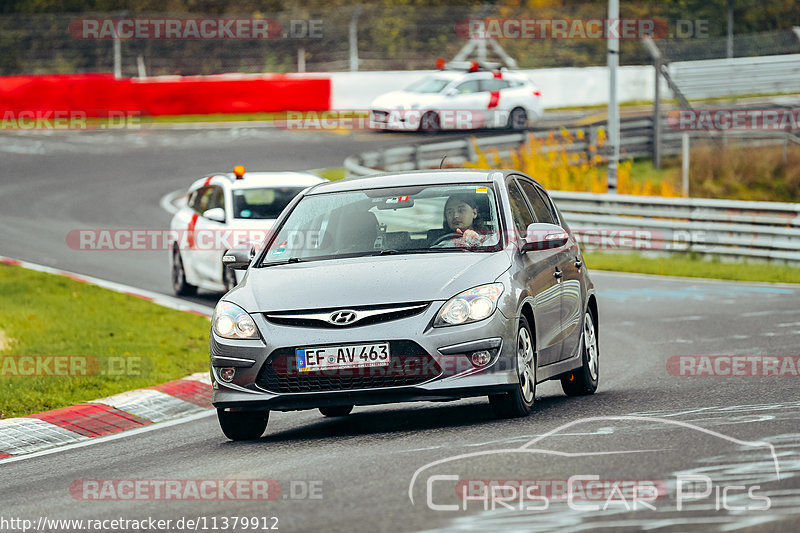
402 220
266 202
428 85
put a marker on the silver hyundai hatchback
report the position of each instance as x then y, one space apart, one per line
413 286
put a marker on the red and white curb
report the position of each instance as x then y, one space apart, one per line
121 412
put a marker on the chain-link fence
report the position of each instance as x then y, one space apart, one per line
369 37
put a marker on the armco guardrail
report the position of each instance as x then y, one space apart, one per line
740 75
636 140
729 228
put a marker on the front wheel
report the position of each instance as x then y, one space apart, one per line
519 402
584 380
228 278
243 425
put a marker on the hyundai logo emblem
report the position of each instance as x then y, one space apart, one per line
342 318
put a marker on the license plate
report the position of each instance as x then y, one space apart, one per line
335 357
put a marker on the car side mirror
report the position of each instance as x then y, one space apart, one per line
216 213
452 91
541 236
238 259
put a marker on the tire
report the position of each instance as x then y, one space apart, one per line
584 380
336 410
517 119
519 402
228 278
243 425
429 123
179 284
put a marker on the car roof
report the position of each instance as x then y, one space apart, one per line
411 178
259 179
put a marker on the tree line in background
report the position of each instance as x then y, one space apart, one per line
35 38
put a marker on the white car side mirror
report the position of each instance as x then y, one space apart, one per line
216 213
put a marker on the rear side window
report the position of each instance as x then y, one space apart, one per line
494 84
539 205
519 209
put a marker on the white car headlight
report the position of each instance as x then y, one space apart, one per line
470 306
232 322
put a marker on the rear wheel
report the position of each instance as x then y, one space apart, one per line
517 119
336 410
519 402
243 425
179 284
430 122
584 380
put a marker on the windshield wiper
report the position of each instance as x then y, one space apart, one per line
284 262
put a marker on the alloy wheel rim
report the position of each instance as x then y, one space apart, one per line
525 365
590 343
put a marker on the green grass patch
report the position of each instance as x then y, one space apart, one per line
692 266
137 343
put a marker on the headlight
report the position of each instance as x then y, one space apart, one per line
232 322
470 306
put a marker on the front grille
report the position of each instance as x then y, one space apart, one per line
317 318
409 365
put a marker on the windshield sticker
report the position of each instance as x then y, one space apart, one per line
281 248
397 199
482 189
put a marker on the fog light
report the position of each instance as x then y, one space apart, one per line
226 374
481 358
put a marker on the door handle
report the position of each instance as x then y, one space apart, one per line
558 274
578 263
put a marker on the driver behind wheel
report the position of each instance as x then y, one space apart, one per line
463 221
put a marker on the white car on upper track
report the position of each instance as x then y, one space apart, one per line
460 99
225 211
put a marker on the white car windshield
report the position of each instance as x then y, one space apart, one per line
428 85
402 220
265 202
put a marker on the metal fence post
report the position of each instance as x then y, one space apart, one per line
685 165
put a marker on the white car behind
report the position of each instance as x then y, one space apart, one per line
224 211
460 99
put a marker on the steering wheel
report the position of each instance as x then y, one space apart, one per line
446 237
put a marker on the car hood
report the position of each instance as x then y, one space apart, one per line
359 281
399 99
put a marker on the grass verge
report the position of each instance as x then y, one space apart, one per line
692 267
125 342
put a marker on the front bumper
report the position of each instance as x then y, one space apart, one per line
448 373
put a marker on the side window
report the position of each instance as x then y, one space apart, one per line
494 84
202 199
540 207
217 198
519 209
468 87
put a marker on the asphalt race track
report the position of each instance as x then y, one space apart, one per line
723 453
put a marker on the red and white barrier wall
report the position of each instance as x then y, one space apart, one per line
101 95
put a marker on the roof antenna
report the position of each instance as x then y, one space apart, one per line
442 163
